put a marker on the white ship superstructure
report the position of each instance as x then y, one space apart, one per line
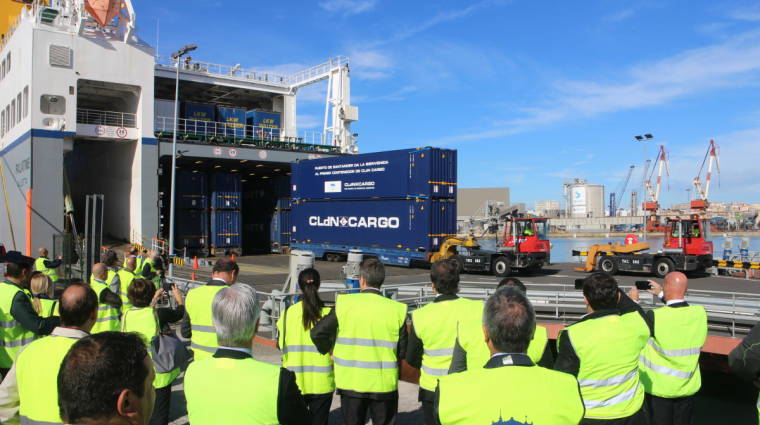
87 108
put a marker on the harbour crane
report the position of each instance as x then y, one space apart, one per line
653 193
620 192
711 157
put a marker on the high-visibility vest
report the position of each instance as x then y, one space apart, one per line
198 307
152 263
37 376
437 325
49 307
14 336
365 350
39 264
510 394
669 363
478 353
314 371
210 401
143 321
125 279
608 348
108 317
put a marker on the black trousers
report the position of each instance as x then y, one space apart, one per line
319 407
670 411
428 412
639 418
382 412
161 409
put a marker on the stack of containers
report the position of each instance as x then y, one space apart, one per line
263 125
199 118
232 122
279 230
191 232
225 213
393 202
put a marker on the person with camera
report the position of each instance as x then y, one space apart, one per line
669 364
149 314
602 350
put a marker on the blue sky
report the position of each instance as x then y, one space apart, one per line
529 92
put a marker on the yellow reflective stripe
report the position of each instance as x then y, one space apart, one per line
203 328
27 421
674 353
312 369
16 343
609 382
203 348
364 364
625 396
299 349
439 352
9 324
666 370
366 342
107 318
435 372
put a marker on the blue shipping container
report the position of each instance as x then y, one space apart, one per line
192 229
419 225
264 125
280 230
225 190
225 228
233 121
192 190
199 118
424 172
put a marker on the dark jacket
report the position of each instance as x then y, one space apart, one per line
52 264
185 328
109 297
23 311
291 407
744 360
324 333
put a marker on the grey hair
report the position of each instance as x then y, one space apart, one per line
510 320
235 311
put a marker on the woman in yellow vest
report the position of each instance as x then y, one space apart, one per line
147 320
42 294
314 371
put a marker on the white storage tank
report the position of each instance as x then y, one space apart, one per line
584 199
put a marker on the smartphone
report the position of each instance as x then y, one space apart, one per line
643 285
579 283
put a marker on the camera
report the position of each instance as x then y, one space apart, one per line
643 285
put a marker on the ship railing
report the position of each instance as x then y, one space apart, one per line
207 130
732 313
109 118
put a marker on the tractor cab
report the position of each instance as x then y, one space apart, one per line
691 236
526 235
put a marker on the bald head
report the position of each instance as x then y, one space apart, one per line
78 307
675 286
100 271
43 252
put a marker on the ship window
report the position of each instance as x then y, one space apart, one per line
2 123
8 59
53 105
26 101
2 70
12 121
18 107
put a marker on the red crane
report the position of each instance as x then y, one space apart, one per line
652 205
711 157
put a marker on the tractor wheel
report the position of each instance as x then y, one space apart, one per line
663 266
501 266
608 265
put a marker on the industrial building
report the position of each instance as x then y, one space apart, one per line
88 108
583 199
549 209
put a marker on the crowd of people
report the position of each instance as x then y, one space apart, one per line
102 351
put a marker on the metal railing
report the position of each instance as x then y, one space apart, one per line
729 313
109 118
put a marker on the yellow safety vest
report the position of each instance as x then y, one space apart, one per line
125 279
37 376
210 402
39 264
314 371
143 321
108 317
669 363
510 394
49 307
478 353
437 325
365 350
157 278
198 307
608 348
14 336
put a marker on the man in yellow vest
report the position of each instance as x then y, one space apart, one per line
470 350
511 388
111 260
367 333
669 364
434 331
126 276
47 266
31 388
109 310
261 393
200 327
153 268
602 350
91 391
21 324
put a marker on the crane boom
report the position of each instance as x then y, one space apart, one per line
711 158
620 193
661 163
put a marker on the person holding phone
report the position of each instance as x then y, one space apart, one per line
669 364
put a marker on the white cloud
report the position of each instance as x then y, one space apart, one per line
730 64
371 64
309 121
620 15
748 13
348 7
